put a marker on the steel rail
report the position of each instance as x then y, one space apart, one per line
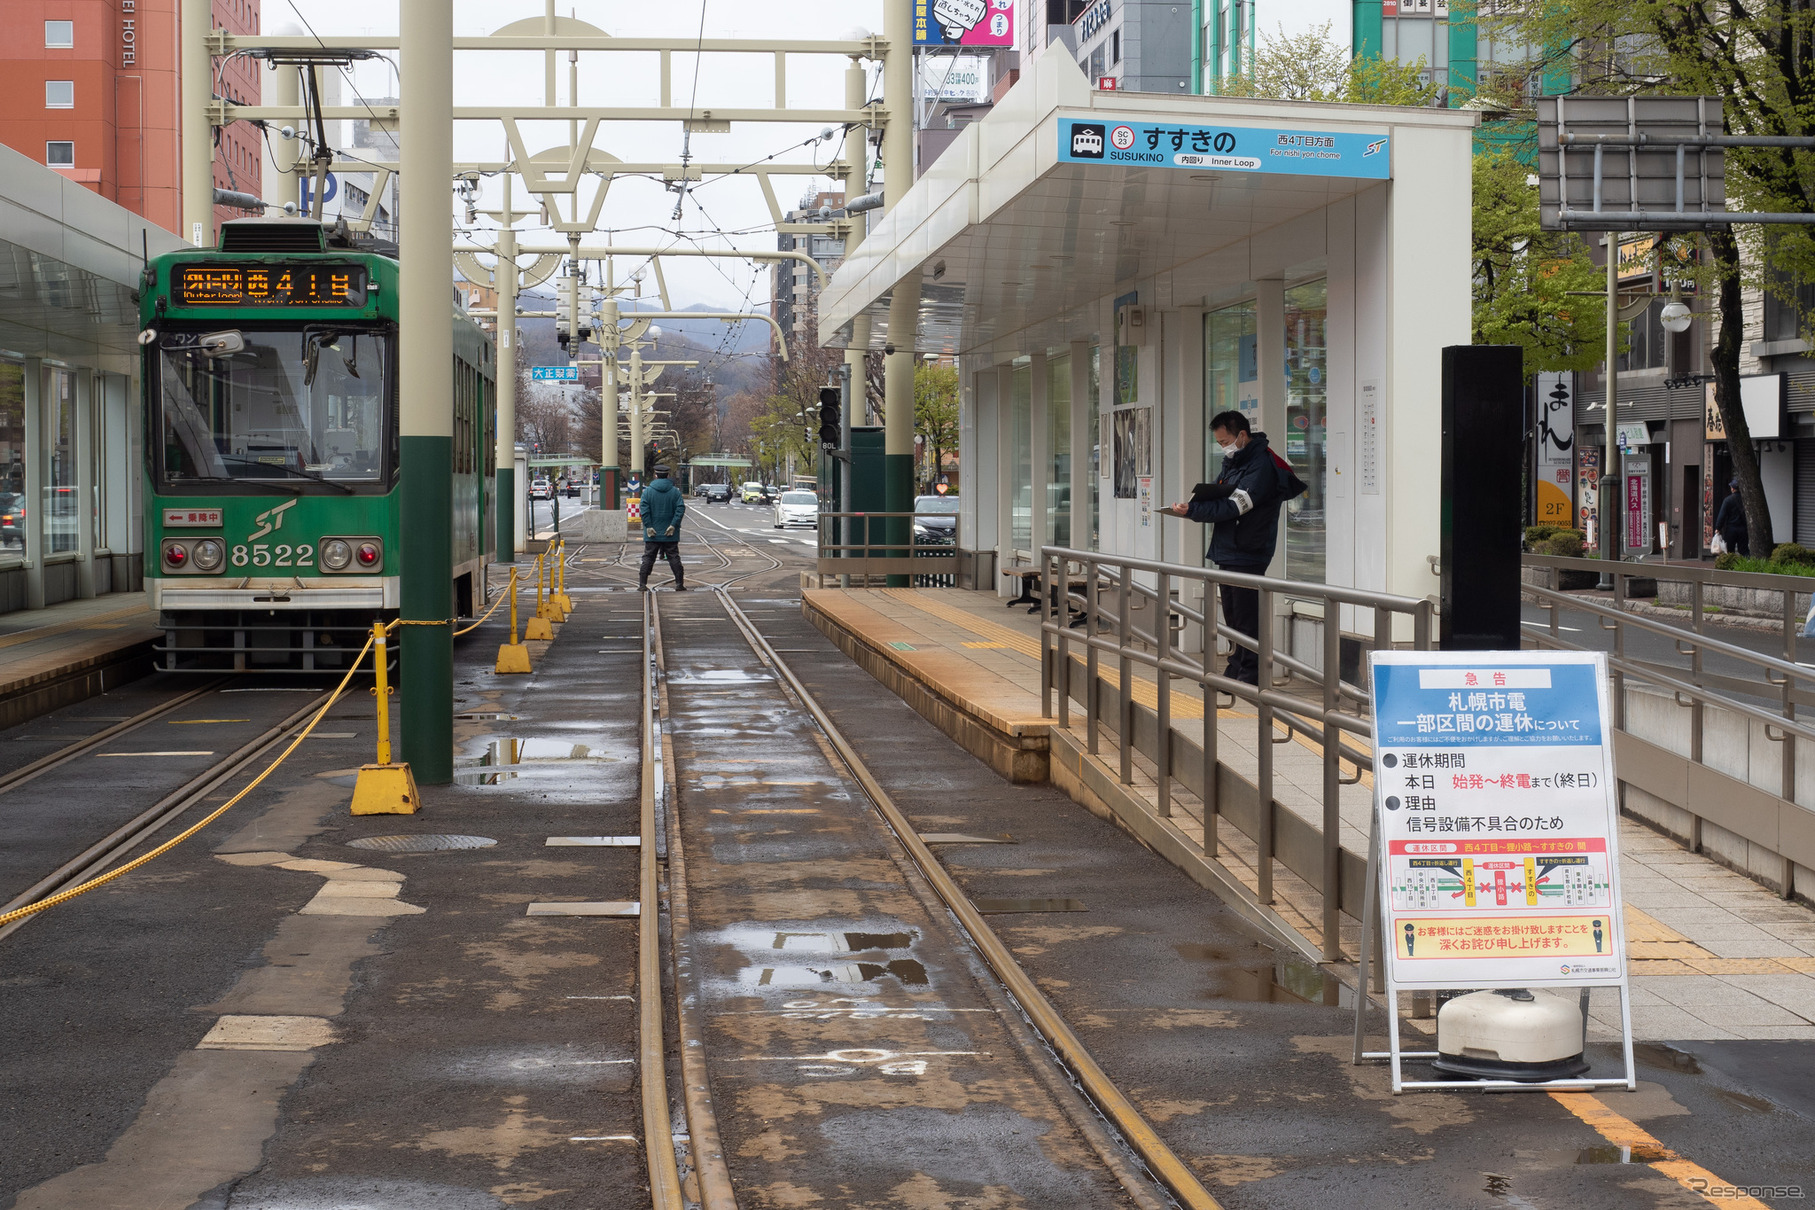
1160 1159
652 1051
707 1146
45 764
122 840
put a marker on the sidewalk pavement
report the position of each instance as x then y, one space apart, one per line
1713 954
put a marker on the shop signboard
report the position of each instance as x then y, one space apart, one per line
1588 494
1225 148
1554 451
1497 821
964 23
1637 480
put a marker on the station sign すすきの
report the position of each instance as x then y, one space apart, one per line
1226 148
1496 818
964 23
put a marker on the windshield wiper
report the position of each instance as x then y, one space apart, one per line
175 479
288 470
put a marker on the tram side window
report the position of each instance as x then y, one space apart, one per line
284 405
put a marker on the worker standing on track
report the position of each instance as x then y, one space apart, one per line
663 509
1243 507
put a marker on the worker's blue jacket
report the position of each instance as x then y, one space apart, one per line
663 508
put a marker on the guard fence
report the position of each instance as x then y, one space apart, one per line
1103 616
858 548
1707 728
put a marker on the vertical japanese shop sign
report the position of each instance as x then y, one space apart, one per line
1497 822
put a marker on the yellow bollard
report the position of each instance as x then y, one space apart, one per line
539 629
513 656
384 788
561 598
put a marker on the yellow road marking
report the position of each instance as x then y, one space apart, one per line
1624 1132
190 722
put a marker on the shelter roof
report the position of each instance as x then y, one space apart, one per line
1022 222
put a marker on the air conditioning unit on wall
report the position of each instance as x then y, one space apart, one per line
1131 324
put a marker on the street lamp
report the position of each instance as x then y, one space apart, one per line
1675 316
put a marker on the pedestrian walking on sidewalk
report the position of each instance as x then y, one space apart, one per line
1242 506
1730 521
663 509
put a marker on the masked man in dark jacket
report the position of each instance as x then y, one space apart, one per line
1243 507
662 511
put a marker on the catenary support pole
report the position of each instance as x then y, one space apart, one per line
608 396
904 305
425 372
285 181
505 277
636 410
197 91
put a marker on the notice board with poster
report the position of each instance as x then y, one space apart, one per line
1495 853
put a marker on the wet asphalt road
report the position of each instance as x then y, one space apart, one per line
479 1054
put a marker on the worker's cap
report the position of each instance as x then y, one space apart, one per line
661 472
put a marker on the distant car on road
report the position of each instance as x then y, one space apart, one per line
12 519
699 489
754 493
571 488
540 490
797 508
718 493
935 520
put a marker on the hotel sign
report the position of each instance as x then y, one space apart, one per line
129 33
1222 148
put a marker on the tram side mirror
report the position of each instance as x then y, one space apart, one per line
313 343
222 344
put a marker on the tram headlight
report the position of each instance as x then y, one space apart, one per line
208 555
336 554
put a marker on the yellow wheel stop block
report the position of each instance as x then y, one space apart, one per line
512 657
539 629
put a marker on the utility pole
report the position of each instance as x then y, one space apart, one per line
197 92
904 305
426 378
1609 537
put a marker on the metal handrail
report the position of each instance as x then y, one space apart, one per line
1111 584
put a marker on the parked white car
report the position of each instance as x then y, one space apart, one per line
795 507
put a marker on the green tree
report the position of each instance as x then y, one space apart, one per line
1313 66
936 412
1524 275
1756 56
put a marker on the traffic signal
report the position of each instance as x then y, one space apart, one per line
829 414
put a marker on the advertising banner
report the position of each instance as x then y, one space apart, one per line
1496 819
1226 148
964 23
960 78
1554 459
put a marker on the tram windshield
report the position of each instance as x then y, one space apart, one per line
288 405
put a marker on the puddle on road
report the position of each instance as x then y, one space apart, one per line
994 906
1619 1153
1659 1054
908 971
504 759
1740 1100
1279 981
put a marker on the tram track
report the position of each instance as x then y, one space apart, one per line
100 855
1149 1174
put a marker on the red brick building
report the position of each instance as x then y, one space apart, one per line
90 87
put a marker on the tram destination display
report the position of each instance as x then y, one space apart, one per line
303 285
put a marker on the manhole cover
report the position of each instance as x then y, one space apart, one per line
428 842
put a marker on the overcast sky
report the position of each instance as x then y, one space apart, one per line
724 213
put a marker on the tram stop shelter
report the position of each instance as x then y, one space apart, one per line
1111 269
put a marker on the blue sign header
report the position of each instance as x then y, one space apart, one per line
1486 705
554 373
1222 148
